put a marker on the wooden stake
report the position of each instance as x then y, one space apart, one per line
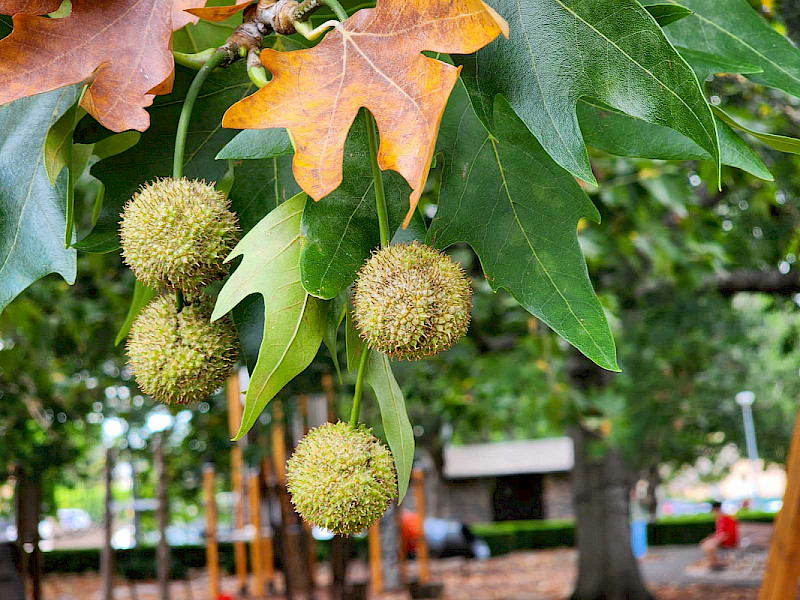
278 443
237 465
330 396
418 478
375 566
291 531
339 544
269 543
162 550
311 543
212 550
257 543
783 566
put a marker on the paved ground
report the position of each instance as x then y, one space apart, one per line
674 573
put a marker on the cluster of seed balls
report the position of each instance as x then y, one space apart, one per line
175 235
409 301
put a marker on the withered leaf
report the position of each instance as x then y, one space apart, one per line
218 13
121 46
373 59
30 7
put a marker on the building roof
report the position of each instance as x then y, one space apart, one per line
548 455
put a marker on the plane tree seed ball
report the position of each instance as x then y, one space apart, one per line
411 301
177 233
341 478
181 357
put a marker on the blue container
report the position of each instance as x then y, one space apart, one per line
639 537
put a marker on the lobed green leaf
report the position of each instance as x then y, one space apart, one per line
503 195
734 31
613 131
562 50
340 231
294 321
32 209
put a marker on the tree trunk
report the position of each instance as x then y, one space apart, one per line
651 500
607 569
107 557
137 515
162 552
390 549
28 509
340 553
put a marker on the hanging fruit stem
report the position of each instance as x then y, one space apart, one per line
186 112
362 369
183 129
377 176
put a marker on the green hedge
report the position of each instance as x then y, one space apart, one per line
507 536
136 563
689 529
502 536
140 563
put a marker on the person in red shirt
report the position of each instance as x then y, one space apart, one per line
726 535
410 531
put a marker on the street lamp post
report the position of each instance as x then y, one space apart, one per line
745 399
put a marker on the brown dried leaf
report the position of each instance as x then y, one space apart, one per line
121 46
30 7
373 59
218 13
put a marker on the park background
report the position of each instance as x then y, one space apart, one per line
701 287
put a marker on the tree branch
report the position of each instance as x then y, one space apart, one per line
749 280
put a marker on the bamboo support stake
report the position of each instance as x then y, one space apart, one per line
278 443
311 554
237 478
330 396
418 478
293 566
269 543
339 544
375 566
783 565
257 543
212 550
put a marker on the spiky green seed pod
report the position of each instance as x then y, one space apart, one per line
176 233
341 478
411 301
181 357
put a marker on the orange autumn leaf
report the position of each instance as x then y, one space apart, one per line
30 7
121 46
219 13
372 60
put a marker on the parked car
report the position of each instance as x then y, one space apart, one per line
73 519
